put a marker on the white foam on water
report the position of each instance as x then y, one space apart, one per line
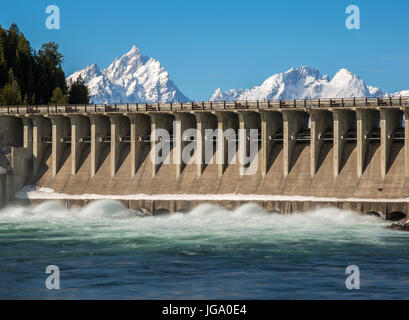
44 193
109 219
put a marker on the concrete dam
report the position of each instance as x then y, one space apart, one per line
347 153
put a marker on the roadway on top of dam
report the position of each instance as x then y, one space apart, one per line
301 104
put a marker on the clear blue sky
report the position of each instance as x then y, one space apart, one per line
228 44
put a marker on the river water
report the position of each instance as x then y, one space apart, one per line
106 251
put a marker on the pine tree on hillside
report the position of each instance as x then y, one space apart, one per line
49 73
36 74
10 93
78 92
59 98
3 62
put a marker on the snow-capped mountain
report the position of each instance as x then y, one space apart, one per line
404 93
129 79
303 83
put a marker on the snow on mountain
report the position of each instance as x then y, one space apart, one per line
129 79
404 93
303 83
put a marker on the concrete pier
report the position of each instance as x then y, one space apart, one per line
140 127
120 130
390 121
271 124
367 121
205 121
100 133
183 121
294 122
80 131
161 129
228 123
41 133
321 122
344 122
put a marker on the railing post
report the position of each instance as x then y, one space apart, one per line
295 103
342 102
171 106
319 103
305 103
366 102
390 101
268 103
354 102
224 105
137 107
8 109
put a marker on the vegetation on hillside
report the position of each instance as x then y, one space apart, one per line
28 76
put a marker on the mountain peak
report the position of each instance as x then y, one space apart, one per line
303 83
129 79
345 73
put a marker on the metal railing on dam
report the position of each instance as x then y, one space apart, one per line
348 153
210 105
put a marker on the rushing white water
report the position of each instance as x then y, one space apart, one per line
245 222
209 252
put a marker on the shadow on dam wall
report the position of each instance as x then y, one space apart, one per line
352 158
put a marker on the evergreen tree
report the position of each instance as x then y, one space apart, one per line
49 73
3 62
10 93
35 75
78 92
59 98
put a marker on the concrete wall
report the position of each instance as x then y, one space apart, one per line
110 154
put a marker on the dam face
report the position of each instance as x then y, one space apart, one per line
346 153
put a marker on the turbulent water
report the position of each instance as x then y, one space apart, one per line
107 251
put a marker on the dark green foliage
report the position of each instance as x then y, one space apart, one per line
35 74
50 74
10 93
58 98
78 92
